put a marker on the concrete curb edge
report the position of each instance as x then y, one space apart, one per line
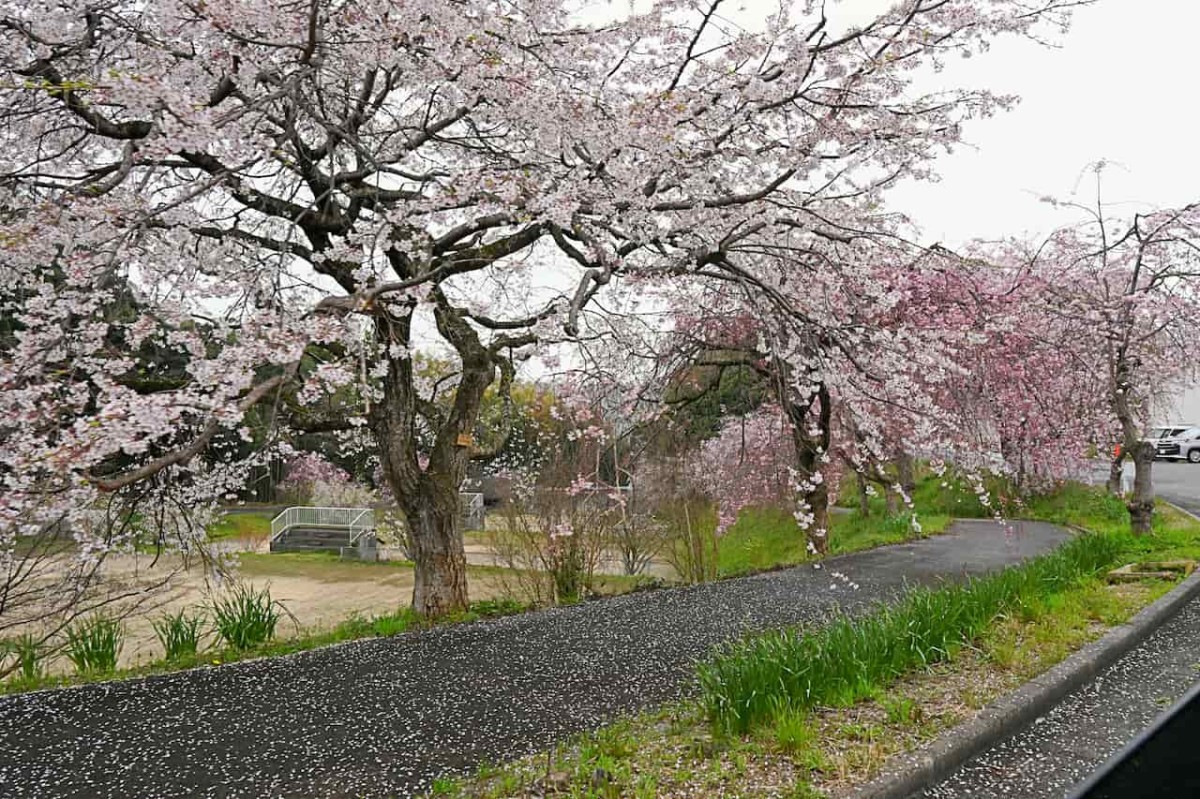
1179 508
915 771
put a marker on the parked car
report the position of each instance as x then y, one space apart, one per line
1176 442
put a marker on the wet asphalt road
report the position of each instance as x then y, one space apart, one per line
1178 482
384 717
1060 749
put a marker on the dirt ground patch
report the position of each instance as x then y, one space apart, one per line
318 592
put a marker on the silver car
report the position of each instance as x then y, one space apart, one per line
1176 442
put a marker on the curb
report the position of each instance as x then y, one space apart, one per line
1179 508
915 771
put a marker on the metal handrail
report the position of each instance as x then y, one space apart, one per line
356 520
364 522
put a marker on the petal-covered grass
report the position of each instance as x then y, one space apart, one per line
757 679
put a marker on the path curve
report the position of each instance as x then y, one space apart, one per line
383 717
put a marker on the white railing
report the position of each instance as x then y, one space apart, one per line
356 520
363 523
471 506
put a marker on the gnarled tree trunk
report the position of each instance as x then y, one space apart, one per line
428 495
810 451
906 473
435 539
864 499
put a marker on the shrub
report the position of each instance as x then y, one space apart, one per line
749 682
551 541
94 644
179 634
244 617
692 550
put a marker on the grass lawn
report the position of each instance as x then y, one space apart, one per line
250 525
800 750
768 538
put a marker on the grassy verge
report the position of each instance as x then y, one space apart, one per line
354 628
888 691
793 671
674 752
329 568
769 538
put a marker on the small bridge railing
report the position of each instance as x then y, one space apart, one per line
355 521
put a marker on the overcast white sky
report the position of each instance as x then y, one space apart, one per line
1120 87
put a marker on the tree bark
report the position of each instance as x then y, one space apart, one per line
864 499
435 535
1116 469
429 496
1141 501
810 453
906 473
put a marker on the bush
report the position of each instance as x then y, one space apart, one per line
245 618
692 550
179 634
393 623
94 644
749 682
551 541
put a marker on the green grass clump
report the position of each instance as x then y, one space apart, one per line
849 659
850 532
245 618
179 634
27 651
761 538
376 626
94 644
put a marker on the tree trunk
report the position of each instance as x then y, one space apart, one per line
810 455
440 563
893 501
906 473
1116 469
864 499
1141 501
818 501
428 494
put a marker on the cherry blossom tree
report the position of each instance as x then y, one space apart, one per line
1135 286
1074 338
300 194
1026 390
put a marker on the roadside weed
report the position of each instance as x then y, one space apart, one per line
245 617
94 644
179 634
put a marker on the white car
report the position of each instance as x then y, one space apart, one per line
1176 442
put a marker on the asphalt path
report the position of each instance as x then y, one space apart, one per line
384 717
